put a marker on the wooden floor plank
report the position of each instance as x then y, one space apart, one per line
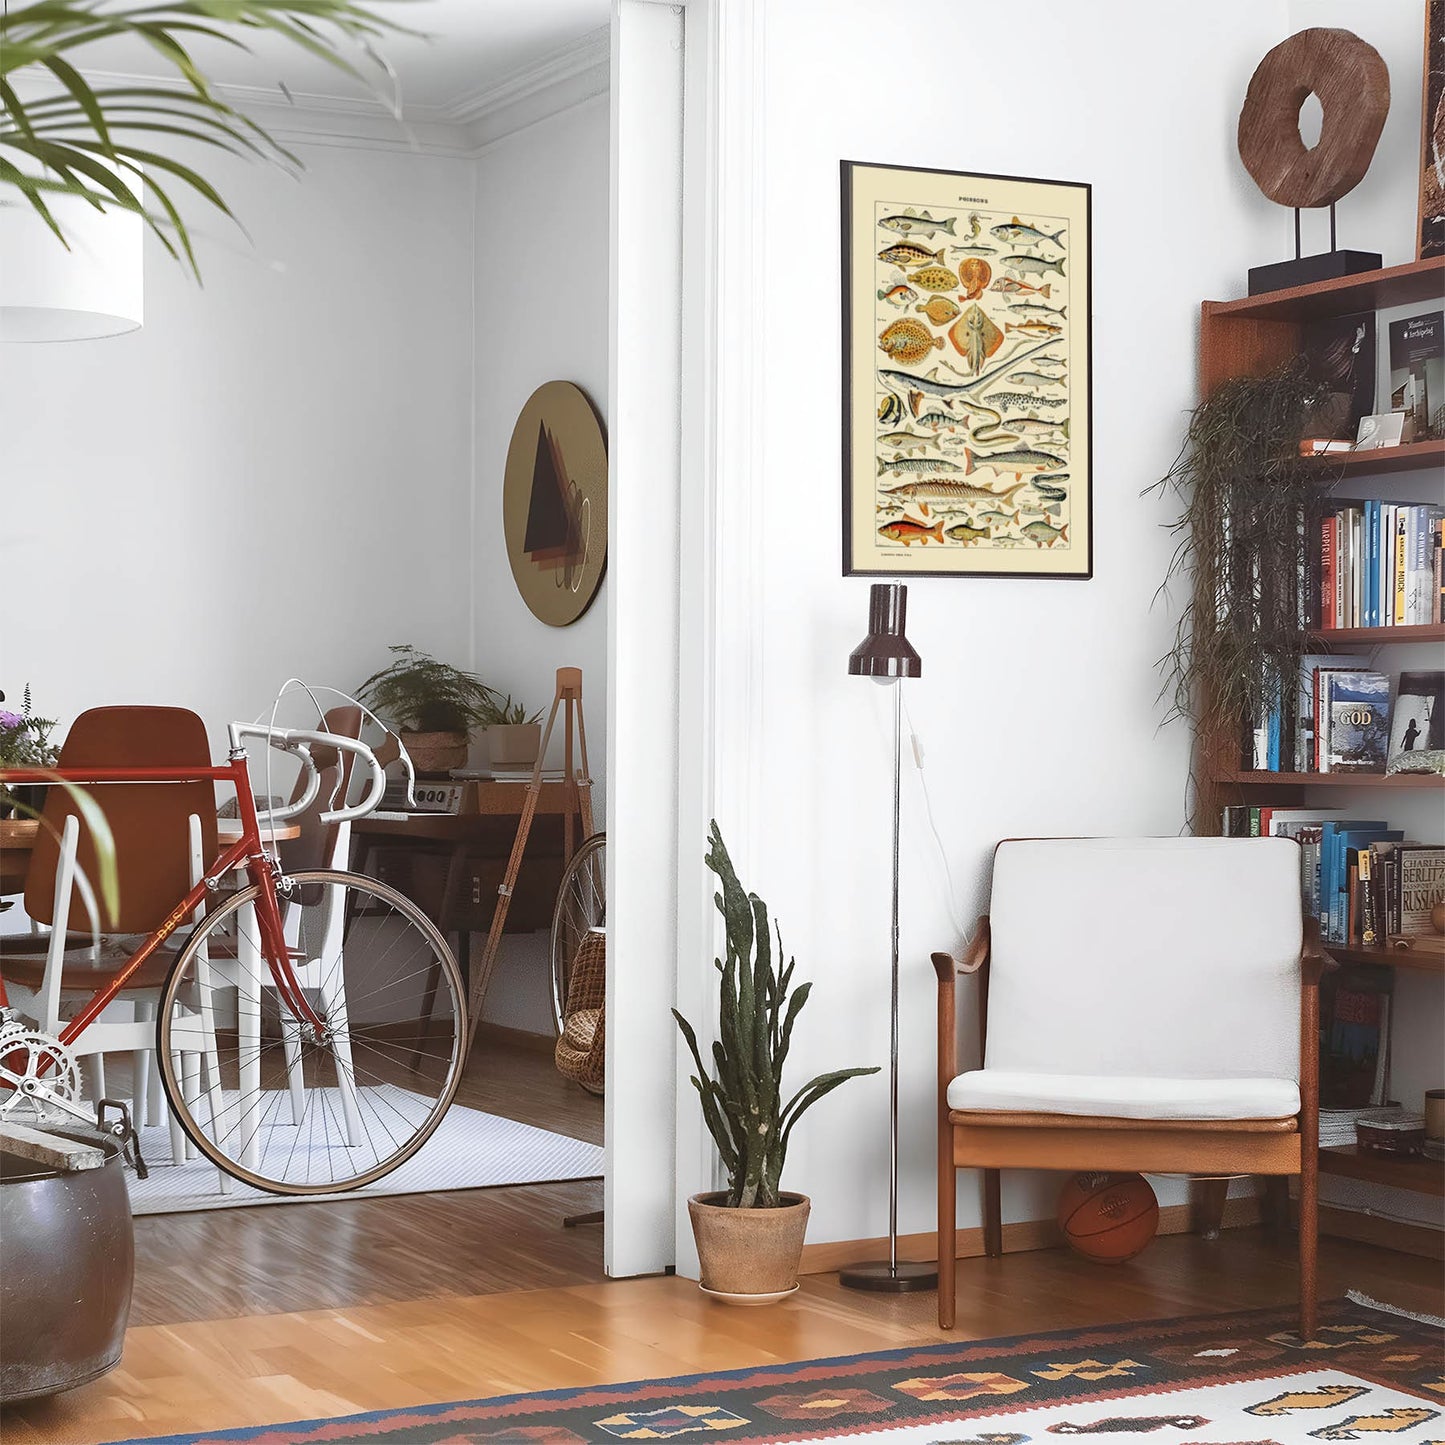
257 1370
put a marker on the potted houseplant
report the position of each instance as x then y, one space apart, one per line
24 743
513 738
750 1235
434 704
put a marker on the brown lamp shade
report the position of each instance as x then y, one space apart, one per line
886 652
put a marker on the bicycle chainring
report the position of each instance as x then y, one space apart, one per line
28 1054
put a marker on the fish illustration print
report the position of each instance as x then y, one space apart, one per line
906 441
1017 460
973 276
1017 233
975 225
908 340
890 410
908 532
962 532
1034 327
913 222
1033 265
899 465
938 420
1038 308
910 253
906 383
1010 287
1012 400
935 278
975 337
940 309
973 250
1035 378
941 489
899 295
1048 491
1030 426
995 518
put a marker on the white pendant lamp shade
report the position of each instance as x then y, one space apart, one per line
48 293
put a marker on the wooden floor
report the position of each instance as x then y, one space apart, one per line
266 1369
225 1263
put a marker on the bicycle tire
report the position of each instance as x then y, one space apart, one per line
198 982
581 904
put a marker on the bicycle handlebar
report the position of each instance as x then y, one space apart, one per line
300 741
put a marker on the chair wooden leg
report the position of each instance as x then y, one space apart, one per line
1308 1244
992 1214
947 1223
1206 1198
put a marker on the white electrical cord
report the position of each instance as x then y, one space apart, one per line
916 748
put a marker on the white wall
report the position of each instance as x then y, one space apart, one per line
1037 707
303 421
541 282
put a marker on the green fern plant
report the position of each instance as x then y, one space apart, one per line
419 693
742 1102
96 142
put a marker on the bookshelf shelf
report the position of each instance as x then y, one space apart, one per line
1414 1172
1421 962
1409 457
1366 291
1375 636
1330 780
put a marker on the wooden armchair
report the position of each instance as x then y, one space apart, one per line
1145 1004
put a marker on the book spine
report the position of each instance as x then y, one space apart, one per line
1322 722
1437 613
1254 822
1352 596
1327 573
1398 605
1369 933
1385 595
1372 563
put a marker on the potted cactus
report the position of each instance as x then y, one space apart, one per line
513 737
750 1235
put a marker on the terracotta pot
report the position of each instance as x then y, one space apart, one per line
749 1251
513 745
434 755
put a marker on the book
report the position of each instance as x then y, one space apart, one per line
1311 664
1355 1038
1354 716
1419 884
1417 721
1339 352
1420 587
1417 368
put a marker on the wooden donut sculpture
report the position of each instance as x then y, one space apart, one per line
1353 86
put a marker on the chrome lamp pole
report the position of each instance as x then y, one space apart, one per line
887 657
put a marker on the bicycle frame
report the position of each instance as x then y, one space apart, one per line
248 850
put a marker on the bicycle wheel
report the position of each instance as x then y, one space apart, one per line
287 1108
581 904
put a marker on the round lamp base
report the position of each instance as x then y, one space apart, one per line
882 1278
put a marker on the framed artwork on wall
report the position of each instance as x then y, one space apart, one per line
967 374
1432 137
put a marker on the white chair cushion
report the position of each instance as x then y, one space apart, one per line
1149 957
1118 1097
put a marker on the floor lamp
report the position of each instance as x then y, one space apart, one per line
886 656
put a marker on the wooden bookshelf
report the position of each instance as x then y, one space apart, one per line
1377 636
1421 961
1413 1172
1364 291
1382 461
1245 778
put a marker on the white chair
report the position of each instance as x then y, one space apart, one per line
1145 1004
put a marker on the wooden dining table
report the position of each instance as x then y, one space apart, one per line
18 835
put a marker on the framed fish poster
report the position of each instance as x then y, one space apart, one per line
967 437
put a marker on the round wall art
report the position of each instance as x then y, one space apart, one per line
554 503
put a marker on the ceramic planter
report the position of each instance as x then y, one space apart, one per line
513 745
749 1256
434 755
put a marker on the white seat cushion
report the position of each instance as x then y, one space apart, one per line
1119 1097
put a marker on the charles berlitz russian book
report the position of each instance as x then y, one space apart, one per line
1420 880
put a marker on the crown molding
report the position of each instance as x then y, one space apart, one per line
567 77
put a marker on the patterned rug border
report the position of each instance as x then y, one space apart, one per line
962 1352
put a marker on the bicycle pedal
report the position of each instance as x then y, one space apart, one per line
125 1131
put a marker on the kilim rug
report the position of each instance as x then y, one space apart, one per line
1237 1379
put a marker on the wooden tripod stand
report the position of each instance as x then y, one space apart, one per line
577 781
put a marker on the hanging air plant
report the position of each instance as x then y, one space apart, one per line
1242 544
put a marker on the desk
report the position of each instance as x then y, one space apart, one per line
451 864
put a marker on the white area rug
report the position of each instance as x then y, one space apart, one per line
470 1150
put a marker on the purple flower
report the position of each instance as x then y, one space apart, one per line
11 719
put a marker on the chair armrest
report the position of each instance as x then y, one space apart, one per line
974 958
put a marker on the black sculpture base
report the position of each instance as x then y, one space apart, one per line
881 1278
1306 270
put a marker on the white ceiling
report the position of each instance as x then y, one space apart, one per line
470 47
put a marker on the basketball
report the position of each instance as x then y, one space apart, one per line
1108 1217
